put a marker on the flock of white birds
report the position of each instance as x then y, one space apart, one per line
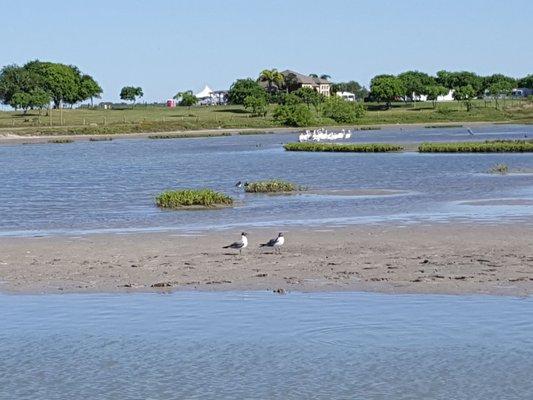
321 134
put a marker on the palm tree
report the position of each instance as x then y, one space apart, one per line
325 76
271 76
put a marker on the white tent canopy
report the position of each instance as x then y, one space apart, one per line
206 92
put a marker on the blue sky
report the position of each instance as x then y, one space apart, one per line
166 46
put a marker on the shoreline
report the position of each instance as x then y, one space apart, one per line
431 259
10 137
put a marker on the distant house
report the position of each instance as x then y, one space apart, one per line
447 97
522 92
295 80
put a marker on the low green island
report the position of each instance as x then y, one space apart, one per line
489 146
271 186
192 198
344 148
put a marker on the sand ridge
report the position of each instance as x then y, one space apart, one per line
447 258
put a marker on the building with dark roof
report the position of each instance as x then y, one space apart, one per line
295 80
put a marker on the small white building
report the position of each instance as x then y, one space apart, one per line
210 97
423 97
347 96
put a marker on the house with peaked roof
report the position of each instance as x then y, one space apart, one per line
295 80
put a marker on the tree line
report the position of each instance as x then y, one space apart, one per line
466 86
37 84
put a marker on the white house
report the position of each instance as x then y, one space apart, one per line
423 97
348 96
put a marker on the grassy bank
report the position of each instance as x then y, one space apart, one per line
344 148
496 146
143 119
176 199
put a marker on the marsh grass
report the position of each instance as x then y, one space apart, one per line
176 199
188 135
489 146
271 186
344 148
500 168
60 141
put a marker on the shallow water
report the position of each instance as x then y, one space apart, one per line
260 345
88 187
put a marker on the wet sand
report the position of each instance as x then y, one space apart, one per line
447 258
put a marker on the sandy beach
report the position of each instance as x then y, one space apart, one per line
447 258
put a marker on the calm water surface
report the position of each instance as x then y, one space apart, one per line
260 345
88 187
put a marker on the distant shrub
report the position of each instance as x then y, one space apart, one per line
297 115
342 111
270 186
344 148
192 197
258 106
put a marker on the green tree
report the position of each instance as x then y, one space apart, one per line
131 93
36 98
294 115
89 89
386 88
186 99
63 83
271 77
310 97
60 80
415 83
354 87
453 80
14 80
526 82
258 106
342 111
465 94
499 89
434 91
243 88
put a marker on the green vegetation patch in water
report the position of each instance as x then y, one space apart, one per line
501 169
344 148
271 186
176 199
489 146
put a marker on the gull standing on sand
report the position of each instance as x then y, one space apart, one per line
275 243
240 244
